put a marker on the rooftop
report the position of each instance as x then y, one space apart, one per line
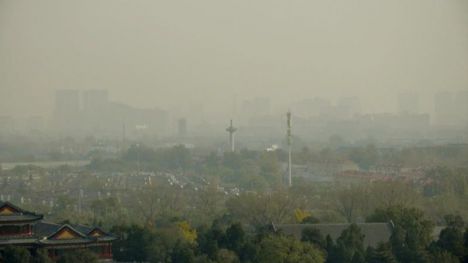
47 233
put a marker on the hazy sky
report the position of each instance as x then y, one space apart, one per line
161 53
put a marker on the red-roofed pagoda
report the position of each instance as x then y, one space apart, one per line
22 228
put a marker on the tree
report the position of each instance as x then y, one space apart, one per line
177 157
348 202
451 238
13 254
42 256
281 249
132 244
78 256
445 257
188 233
270 168
162 242
303 157
300 215
366 157
208 202
235 237
232 160
161 201
209 240
258 209
313 236
182 253
465 237
349 247
139 153
382 254
411 233
227 256
335 141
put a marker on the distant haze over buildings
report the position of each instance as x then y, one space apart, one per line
176 55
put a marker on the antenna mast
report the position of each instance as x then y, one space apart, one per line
288 115
231 130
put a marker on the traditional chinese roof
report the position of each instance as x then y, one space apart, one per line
95 232
18 241
11 214
46 233
50 233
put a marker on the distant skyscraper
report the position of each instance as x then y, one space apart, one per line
408 103
445 109
6 124
95 109
67 101
461 104
67 109
309 108
348 107
95 100
182 127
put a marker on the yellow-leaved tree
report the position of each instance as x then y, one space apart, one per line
188 233
300 215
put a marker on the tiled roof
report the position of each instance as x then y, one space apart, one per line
20 218
47 233
17 214
48 230
18 241
45 229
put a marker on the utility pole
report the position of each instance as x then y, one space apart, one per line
288 122
138 158
231 130
124 137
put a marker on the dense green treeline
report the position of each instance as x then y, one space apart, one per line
176 241
411 241
13 254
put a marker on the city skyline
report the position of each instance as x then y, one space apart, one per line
315 49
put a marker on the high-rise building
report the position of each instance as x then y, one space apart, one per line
7 124
67 101
137 121
182 127
461 104
95 100
67 109
348 107
95 109
445 109
310 108
408 103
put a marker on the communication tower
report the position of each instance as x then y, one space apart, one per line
231 130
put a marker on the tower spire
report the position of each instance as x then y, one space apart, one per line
231 130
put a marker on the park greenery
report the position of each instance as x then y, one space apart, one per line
193 205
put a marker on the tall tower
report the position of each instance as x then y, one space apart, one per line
231 131
288 122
